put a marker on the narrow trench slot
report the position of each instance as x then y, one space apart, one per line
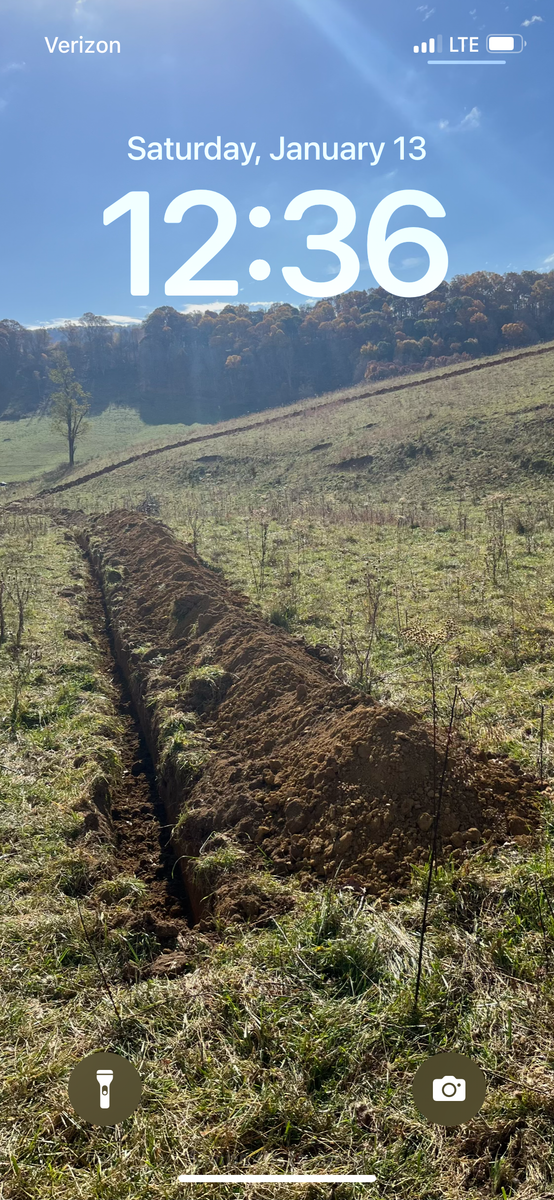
140 823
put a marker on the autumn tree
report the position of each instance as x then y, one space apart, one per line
517 333
69 403
205 366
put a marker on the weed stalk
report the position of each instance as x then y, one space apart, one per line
433 850
99 965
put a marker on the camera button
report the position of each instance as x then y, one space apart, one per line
449 1089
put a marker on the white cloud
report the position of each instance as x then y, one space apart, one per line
124 320
218 305
13 66
412 262
550 259
472 120
58 321
84 16
198 308
530 22
49 324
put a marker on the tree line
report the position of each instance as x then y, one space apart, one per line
208 366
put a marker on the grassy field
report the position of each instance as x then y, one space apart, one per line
424 515
407 532
285 1048
31 449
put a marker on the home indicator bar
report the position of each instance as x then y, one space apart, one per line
277 1179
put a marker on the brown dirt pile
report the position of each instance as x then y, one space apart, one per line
261 753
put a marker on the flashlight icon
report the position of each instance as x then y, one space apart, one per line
104 1078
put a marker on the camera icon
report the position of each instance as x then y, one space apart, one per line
449 1088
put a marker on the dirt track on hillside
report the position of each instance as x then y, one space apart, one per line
285 416
262 754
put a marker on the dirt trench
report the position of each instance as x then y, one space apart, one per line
262 757
130 813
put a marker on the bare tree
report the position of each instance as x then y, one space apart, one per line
194 518
361 644
69 404
21 587
2 610
258 546
21 672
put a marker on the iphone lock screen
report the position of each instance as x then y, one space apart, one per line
276 600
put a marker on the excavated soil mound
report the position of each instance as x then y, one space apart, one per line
258 747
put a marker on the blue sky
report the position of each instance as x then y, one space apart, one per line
255 71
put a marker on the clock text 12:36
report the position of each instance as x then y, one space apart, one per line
379 245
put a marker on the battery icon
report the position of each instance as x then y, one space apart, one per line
505 45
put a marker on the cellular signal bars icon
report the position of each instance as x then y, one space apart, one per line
430 46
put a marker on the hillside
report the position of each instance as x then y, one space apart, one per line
429 415
247 668
209 365
31 450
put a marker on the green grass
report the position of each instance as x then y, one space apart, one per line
289 1047
30 448
478 412
462 529
293 1046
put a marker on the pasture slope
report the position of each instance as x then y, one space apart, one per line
228 739
308 409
